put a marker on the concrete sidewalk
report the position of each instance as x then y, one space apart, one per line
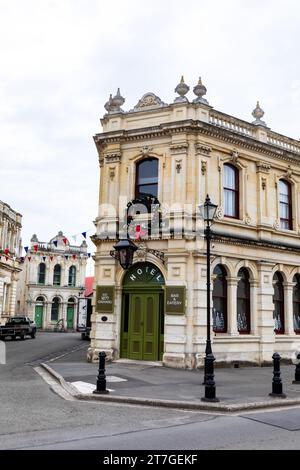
148 384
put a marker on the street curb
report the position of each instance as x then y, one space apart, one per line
176 404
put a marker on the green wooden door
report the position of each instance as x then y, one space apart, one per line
38 317
140 332
70 317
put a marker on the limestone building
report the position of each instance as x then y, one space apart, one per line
10 247
173 155
52 281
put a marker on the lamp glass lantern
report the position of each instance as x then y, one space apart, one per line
125 249
207 211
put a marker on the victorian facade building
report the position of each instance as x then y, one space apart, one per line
10 248
169 157
52 282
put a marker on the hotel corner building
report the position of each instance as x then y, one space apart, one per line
177 154
10 247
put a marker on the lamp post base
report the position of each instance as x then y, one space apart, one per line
100 392
211 400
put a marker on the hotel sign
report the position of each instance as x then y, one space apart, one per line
105 299
175 300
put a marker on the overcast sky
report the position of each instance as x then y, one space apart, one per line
60 59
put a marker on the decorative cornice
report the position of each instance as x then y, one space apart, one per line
179 148
195 128
202 149
113 157
263 167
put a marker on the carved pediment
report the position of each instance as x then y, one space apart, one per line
149 100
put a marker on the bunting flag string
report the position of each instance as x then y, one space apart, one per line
26 248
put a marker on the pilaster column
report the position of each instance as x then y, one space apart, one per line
265 309
288 308
232 305
254 306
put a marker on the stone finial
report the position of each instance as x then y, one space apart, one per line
114 104
108 104
182 89
200 91
258 113
34 238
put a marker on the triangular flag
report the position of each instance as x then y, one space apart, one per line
26 248
6 257
83 234
6 251
35 247
44 258
66 256
89 255
65 240
51 258
74 256
55 243
29 258
22 259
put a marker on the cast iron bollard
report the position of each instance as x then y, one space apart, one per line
210 386
297 371
276 383
101 377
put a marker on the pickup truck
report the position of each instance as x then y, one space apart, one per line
20 326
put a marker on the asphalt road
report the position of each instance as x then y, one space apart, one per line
33 417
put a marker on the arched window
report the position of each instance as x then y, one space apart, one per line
41 273
296 303
146 183
231 191
285 201
220 300
57 275
278 300
243 302
55 309
40 299
72 276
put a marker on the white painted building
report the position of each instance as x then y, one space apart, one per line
52 281
10 247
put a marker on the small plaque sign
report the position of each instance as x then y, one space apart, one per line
175 300
105 299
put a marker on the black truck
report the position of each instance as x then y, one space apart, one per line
20 326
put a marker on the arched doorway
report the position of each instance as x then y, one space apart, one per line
142 325
70 313
39 312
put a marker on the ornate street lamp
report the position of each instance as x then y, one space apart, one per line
207 213
124 251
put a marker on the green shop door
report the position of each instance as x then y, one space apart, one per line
70 317
38 316
142 326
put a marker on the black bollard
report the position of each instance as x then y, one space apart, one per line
276 383
210 386
297 371
101 377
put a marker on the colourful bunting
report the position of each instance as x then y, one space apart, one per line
83 234
55 243
35 247
6 257
6 251
74 256
51 258
65 240
29 258
26 248
89 255
66 256
44 258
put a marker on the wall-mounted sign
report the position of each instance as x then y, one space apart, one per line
175 300
105 299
